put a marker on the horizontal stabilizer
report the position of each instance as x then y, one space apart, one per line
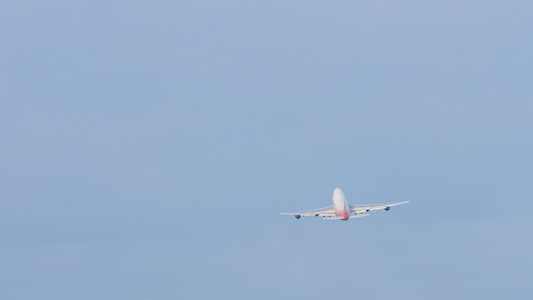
358 216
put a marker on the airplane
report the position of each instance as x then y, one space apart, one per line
340 210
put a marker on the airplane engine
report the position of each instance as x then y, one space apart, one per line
387 208
297 216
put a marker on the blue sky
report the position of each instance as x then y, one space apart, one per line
147 147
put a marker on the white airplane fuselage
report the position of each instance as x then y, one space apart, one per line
341 207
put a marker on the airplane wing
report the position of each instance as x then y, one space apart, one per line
361 208
323 212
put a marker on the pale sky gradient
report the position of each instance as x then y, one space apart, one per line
147 147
